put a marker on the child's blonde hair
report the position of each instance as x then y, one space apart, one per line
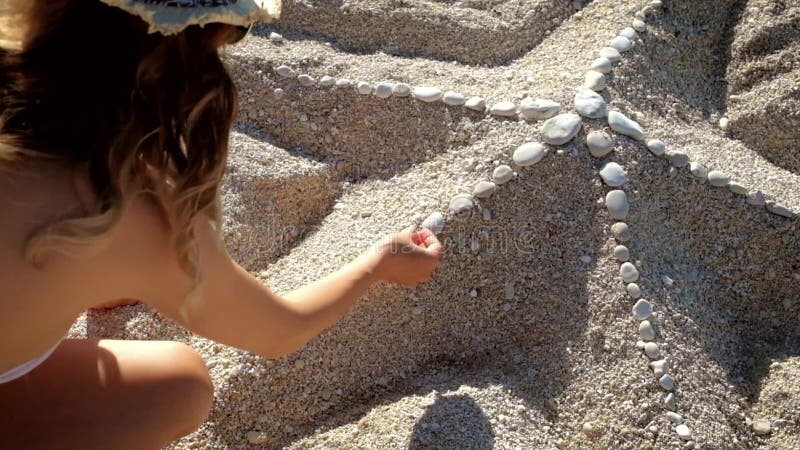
85 83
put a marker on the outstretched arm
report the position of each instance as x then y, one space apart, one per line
406 258
234 308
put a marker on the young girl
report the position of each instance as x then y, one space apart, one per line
114 123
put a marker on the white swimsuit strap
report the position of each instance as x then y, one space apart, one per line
23 369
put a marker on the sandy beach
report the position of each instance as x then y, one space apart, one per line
527 337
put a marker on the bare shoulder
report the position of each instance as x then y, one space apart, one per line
136 261
143 256
146 265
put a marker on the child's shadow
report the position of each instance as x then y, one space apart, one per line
453 421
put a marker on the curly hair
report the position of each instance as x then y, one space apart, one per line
86 83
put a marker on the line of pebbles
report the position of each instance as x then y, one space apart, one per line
557 130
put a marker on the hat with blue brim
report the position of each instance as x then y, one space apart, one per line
173 16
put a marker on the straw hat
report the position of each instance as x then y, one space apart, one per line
172 16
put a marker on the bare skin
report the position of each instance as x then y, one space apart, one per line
107 394
112 390
116 304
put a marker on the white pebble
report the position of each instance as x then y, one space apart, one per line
427 94
617 204
652 351
401 90
286 72
602 65
621 232
343 83
613 174
453 98
586 259
659 367
435 222
639 25
621 43
698 170
600 143
629 33
538 109
484 189
718 178
502 174
779 210
383 89
756 198
611 54
628 272
667 382
364 88
621 253
595 81
762 427
723 123
460 203
476 103
306 80
278 92
671 402
634 290
503 109
683 432
674 417
642 309
327 80
275 37
656 147
590 104
623 125
646 331
561 129
528 154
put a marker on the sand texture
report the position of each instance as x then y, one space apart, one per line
524 338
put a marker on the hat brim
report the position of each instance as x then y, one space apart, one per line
169 20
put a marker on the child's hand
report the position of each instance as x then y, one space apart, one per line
409 257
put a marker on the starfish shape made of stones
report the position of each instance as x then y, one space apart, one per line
558 129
